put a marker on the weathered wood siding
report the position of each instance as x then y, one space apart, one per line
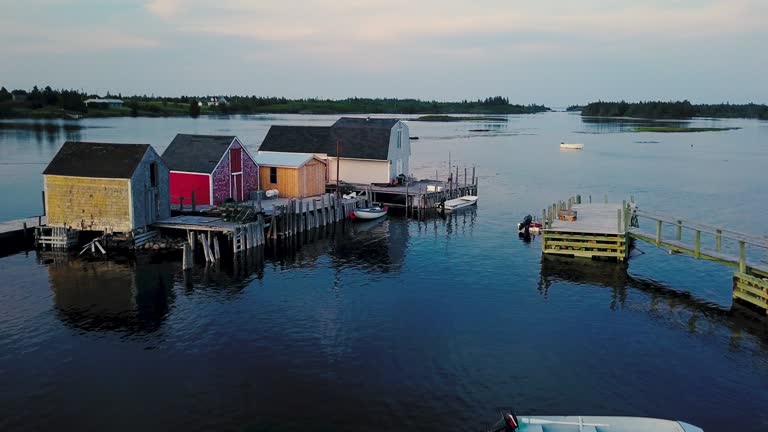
88 203
250 175
150 203
222 181
312 178
287 181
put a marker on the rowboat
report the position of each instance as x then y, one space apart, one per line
571 146
529 225
369 213
457 203
511 422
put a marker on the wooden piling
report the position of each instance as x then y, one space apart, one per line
187 260
658 233
679 230
216 250
718 239
742 258
697 245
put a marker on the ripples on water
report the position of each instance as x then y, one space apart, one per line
400 325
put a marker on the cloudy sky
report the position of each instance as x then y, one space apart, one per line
555 52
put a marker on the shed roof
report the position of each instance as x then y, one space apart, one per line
196 153
291 160
359 138
102 160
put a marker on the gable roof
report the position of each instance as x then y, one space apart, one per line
196 153
102 160
290 160
359 138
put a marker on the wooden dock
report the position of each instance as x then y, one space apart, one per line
599 231
19 234
604 230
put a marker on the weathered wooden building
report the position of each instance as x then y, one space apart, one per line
216 168
294 175
371 150
114 188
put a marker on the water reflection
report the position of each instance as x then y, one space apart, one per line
109 295
51 132
612 125
675 308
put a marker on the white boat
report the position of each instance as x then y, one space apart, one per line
457 203
369 213
571 146
510 422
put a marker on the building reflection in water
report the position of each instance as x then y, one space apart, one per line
110 295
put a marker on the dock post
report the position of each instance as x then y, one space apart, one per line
658 233
606 198
742 257
216 250
627 218
618 219
193 200
679 230
697 245
590 199
25 232
632 199
578 199
718 239
43 193
544 218
186 263
181 203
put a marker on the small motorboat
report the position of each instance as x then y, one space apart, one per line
457 203
530 225
369 213
571 146
510 423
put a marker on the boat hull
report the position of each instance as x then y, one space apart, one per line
369 214
571 146
458 203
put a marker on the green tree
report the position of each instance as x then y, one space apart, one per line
194 108
5 94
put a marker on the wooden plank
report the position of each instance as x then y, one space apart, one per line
585 245
751 299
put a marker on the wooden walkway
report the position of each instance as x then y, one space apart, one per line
14 227
197 223
599 231
593 218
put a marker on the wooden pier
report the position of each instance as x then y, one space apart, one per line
604 230
599 231
19 234
417 198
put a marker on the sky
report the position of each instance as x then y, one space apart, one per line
552 52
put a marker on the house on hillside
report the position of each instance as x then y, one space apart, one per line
104 103
371 150
106 187
212 101
294 175
217 168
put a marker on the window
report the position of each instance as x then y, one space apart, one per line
273 175
399 138
153 174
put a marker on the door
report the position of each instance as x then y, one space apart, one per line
399 166
237 187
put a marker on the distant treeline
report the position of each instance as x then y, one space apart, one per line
674 110
48 102
256 104
575 108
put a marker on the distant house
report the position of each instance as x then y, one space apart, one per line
212 101
294 175
371 150
216 167
106 187
104 103
19 95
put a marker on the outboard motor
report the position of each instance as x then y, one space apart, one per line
510 421
525 224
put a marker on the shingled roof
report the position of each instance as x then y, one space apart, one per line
359 138
196 153
102 160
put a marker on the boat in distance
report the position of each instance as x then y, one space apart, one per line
512 423
457 203
369 213
571 146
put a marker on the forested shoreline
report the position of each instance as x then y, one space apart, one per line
674 110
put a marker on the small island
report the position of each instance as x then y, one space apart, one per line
448 118
673 110
671 129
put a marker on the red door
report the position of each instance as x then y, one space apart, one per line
237 187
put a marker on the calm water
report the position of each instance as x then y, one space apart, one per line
399 325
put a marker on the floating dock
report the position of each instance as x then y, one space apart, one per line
599 231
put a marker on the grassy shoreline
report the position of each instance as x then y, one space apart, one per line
671 129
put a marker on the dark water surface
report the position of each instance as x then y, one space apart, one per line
399 325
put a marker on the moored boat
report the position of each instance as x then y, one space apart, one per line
571 146
511 422
530 225
369 213
457 203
